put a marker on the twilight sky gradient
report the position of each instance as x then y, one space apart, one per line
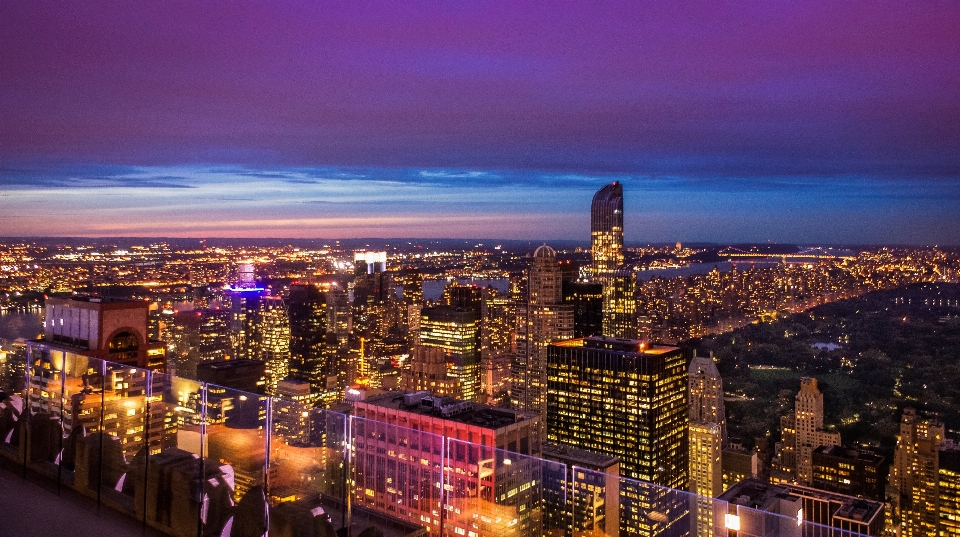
791 121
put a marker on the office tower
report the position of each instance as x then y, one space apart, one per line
214 334
850 471
456 332
606 231
620 305
706 472
291 415
428 372
626 399
802 432
582 495
587 301
544 320
370 262
275 345
914 474
245 300
497 346
341 366
837 514
706 394
109 329
490 482
606 245
307 307
412 283
707 437
467 297
948 495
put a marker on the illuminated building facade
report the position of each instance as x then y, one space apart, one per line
706 472
707 437
401 458
544 320
69 377
428 372
109 329
497 345
342 367
606 246
456 332
291 415
620 305
370 262
830 510
275 342
214 343
606 231
802 432
914 474
581 497
850 471
706 394
245 335
626 399
948 494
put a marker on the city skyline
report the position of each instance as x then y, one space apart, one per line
804 123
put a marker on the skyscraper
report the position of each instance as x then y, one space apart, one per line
706 394
620 304
707 437
456 332
606 231
915 475
803 432
275 342
545 319
307 306
626 399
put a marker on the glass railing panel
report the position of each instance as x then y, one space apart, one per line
13 396
46 423
397 475
235 462
648 509
492 492
130 427
307 481
593 503
165 479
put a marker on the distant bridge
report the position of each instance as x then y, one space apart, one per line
810 253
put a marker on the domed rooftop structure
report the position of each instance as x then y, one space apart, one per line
545 251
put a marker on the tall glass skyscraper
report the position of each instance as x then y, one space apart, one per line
606 231
606 245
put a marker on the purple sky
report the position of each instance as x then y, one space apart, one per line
791 121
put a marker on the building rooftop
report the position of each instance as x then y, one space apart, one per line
113 302
849 453
758 495
227 365
579 457
425 404
618 345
